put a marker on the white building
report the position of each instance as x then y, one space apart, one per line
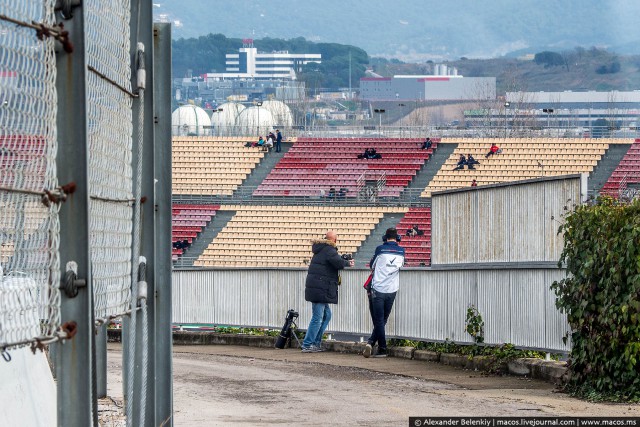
248 63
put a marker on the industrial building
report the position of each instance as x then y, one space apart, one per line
427 88
583 111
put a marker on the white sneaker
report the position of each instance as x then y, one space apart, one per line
367 350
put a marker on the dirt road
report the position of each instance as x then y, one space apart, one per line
229 385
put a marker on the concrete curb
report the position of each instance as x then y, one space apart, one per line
208 338
549 371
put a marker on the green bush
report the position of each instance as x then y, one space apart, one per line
601 296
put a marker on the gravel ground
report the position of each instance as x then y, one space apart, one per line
229 385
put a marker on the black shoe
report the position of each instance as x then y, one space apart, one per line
382 352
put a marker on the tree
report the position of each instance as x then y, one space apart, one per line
549 59
600 128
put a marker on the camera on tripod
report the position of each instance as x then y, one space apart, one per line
287 329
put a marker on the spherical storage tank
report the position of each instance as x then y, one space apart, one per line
190 120
223 118
280 111
254 120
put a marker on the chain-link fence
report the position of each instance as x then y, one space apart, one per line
29 225
110 153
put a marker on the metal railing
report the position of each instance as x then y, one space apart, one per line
409 197
389 131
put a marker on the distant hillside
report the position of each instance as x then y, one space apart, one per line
418 30
581 70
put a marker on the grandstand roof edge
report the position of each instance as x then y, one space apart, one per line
505 184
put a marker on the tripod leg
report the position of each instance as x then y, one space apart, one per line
294 328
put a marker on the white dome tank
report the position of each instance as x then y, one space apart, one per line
224 121
280 111
190 120
255 121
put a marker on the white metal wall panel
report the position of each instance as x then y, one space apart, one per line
559 194
528 308
352 311
226 298
254 299
556 325
510 223
462 292
526 215
452 228
408 305
494 302
286 291
516 305
434 287
493 221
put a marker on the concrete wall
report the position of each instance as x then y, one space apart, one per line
28 389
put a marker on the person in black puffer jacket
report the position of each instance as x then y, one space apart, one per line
321 287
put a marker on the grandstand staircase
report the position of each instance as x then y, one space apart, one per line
606 166
261 171
368 247
205 238
432 166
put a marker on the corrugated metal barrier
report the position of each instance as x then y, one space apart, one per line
516 304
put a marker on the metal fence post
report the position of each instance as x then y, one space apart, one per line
74 360
160 286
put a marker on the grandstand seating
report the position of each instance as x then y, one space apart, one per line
315 164
417 248
627 172
188 221
521 158
22 157
210 165
279 236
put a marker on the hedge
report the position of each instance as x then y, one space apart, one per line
601 297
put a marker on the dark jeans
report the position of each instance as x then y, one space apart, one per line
278 146
380 305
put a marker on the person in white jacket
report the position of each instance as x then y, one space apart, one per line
386 263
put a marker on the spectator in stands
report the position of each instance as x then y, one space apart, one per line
471 161
332 193
461 162
342 193
370 153
322 193
474 183
415 231
493 150
278 140
260 142
386 263
321 288
185 244
177 244
269 143
366 154
426 144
